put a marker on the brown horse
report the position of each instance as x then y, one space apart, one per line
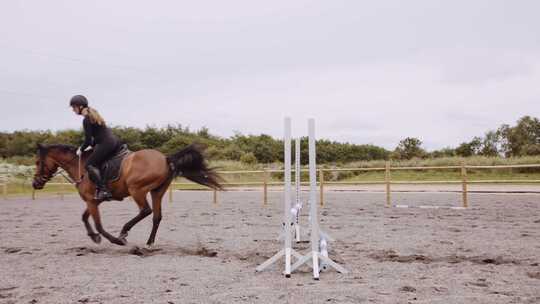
141 172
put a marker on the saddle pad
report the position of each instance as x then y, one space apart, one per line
110 170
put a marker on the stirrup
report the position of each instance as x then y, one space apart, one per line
103 195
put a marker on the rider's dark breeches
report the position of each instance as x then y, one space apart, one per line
100 154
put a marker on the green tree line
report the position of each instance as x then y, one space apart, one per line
246 148
508 141
523 139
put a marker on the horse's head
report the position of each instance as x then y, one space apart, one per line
45 167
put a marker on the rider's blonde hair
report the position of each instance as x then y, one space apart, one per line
95 117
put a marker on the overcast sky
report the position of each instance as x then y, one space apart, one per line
367 71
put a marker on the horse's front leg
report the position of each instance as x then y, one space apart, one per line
91 233
94 212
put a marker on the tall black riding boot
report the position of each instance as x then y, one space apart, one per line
102 193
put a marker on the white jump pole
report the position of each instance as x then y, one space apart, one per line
287 199
315 253
313 212
287 250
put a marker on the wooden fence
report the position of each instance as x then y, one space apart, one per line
264 180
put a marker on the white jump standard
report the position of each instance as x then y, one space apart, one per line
287 250
315 254
318 239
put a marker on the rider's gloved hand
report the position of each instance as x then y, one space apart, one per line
79 152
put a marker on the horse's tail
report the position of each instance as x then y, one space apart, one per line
190 163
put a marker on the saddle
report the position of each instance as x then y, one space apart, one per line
110 169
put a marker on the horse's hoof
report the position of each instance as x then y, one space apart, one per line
150 246
121 242
123 238
96 238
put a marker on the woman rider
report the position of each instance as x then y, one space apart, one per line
98 135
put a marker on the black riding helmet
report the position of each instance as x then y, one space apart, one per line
78 100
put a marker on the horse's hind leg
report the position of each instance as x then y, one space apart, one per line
157 196
144 211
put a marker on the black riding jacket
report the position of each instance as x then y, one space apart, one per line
95 134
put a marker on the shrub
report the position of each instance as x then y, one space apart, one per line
248 158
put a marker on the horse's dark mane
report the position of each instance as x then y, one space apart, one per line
62 148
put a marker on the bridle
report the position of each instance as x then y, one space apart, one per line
42 179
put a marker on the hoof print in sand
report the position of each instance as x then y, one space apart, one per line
534 275
12 250
407 289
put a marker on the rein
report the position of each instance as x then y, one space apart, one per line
67 177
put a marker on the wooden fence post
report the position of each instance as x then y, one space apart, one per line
265 187
4 181
171 193
4 189
321 181
464 184
387 181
